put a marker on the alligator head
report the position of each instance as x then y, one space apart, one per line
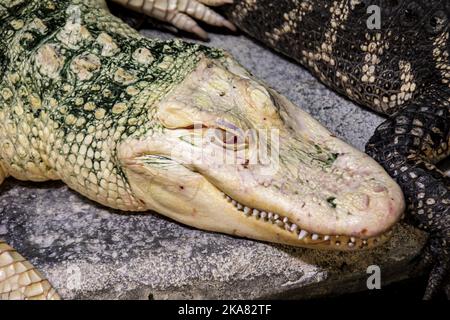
234 156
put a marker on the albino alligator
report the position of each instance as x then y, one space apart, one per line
141 124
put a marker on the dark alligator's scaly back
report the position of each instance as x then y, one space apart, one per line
381 68
401 69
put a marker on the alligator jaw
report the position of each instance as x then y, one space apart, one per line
293 234
323 193
192 200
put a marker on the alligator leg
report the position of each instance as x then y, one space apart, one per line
181 13
18 278
408 145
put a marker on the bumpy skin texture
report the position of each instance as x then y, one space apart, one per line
181 13
75 142
140 73
20 280
86 100
401 70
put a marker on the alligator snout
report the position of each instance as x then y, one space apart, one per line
236 157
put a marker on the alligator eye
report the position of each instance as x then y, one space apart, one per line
228 139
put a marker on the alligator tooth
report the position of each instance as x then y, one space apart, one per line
234 202
247 211
352 239
240 206
228 198
287 227
279 223
337 243
263 214
275 216
285 220
351 244
364 242
270 215
302 234
326 238
294 227
315 236
255 213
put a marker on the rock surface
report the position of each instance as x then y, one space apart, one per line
88 251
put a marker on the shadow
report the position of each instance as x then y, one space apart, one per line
410 289
444 165
11 183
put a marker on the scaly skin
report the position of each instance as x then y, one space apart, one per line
141 124
20 280
181 13
401 70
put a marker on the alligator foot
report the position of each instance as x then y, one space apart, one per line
408 145
434 258
440 268
181 13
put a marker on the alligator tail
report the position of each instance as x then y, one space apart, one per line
20 280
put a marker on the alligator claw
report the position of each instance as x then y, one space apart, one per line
436 254
182 14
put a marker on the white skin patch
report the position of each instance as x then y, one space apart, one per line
109 47
124 77
143 56
74 33
38 25
85 66
49 61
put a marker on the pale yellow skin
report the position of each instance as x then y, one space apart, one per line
181 13
290 205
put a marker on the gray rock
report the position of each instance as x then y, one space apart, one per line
88 251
